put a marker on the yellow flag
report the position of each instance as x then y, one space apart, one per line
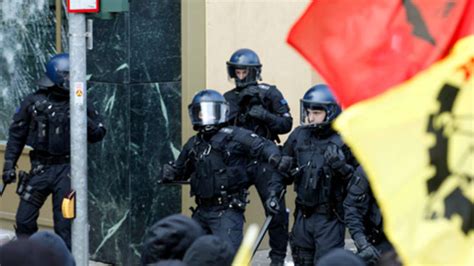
244 254
416 142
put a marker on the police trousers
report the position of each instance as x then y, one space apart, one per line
51 179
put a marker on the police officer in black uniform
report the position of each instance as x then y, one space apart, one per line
217 161
261 108
324 165
42 122
364 219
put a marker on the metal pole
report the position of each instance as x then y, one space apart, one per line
78 106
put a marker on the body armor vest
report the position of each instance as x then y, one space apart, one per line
49 129
254 96
219 172
316 185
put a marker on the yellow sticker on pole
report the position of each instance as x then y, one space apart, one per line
79 93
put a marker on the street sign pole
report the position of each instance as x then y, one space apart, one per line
78 107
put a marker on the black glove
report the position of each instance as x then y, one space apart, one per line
367 251
258 112
281 163
9 173
336 159
168 173
272 204
249 92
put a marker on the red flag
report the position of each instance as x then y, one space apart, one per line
364 47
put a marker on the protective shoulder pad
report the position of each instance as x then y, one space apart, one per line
226 130
336 139
264 86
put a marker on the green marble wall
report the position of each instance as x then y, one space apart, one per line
135 81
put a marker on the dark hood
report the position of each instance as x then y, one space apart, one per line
169 238
209 250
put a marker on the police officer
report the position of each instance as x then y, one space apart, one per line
216 160
323 169
42 122
364 219
262 109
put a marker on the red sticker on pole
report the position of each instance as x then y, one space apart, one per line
82 6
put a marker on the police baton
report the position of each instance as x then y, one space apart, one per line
265 226
3 185
2 188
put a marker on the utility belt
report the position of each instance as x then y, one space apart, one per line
307 211
325 208
235 200
48 159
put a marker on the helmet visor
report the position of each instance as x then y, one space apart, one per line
208 113
305 110
252 74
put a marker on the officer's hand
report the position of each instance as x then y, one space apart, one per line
257 111
281 163
272 204
366 251
334 157
9 173
9 176
168 173
285 164
336 160
369 254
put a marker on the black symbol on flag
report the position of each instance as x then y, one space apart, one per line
456 201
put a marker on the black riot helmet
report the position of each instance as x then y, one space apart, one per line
319 97
57 72
245 59
208 109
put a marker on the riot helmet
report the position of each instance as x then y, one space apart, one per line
57 72
319 98
247 61
208 109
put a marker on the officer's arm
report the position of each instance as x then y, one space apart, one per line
18 132
234 108
257 147
280 120
356 206
95 128
184 164
287 148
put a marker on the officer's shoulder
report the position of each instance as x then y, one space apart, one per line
191 140
35 96
301 130
229 93
268 88
240 131
227 130
264 86
336 139
296 133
